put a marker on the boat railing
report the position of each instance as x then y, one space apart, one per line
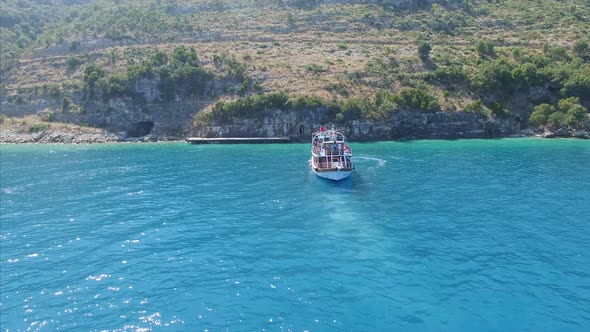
331 151
335 162
343 149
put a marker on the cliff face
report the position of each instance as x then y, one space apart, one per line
299 124
141 113
175 119
123 116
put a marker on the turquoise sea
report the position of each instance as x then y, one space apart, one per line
466 235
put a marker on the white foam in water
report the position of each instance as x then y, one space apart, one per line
380 162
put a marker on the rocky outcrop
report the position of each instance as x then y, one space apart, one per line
73 137
58 137
581 134
125 116
565 132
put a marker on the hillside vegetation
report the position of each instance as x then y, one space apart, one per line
78 59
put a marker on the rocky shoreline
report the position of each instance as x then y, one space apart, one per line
68 137
564 133
297 124
74 135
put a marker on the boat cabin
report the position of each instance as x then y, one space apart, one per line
330 151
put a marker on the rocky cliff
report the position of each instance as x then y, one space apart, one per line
175 120
299 124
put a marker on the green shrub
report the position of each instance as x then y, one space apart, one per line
575 114
52 90
526 75
182 55
454 74
249 106
159 58
92 73
569 112
540 116
66 103
37 127
416 98
338 88
499 110
557 119
474 107
73 62
581 49
493 75
234 69
141 70
353 109
577 84
47 116
485 47
315 68
424 49
556 53
116 85
74 45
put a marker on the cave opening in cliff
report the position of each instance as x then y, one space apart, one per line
301 130
141 128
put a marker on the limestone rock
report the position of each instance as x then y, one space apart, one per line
562 132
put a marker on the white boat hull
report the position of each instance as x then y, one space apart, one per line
333 175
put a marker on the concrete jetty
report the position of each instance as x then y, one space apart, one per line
237 140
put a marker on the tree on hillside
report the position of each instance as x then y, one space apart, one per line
541 114
424 49
485 47
581 49
575 114
183 55
569 112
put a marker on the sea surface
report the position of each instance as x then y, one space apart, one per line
466 235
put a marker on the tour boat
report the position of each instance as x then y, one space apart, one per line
331 157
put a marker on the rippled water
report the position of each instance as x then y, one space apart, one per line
426 236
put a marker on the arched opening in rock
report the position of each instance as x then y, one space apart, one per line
301 130
141 128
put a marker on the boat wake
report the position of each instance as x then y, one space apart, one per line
380 162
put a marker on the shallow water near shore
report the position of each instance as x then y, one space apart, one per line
466 235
